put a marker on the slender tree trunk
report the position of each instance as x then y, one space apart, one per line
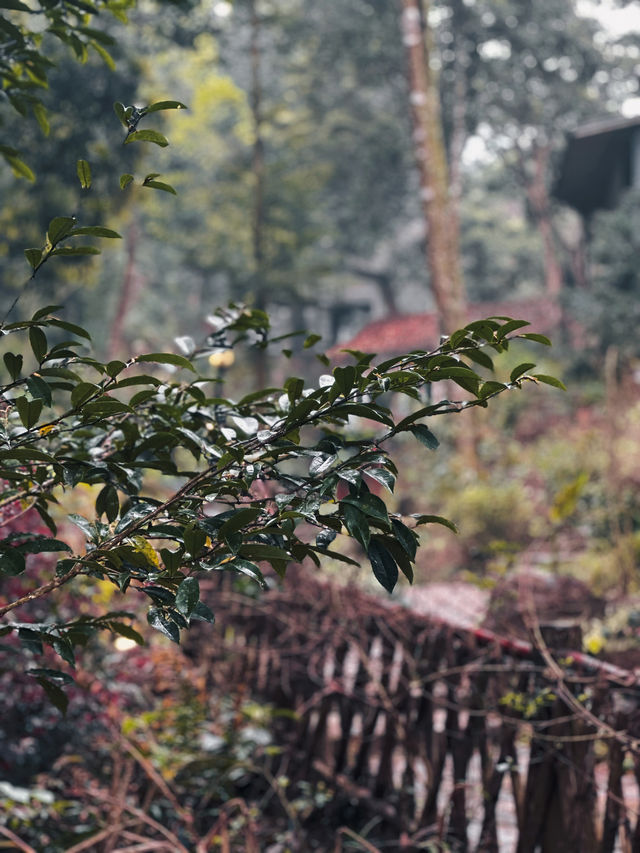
538 197
127 296
258 169
438 208
443 256
458 138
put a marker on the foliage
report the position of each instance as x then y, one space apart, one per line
609 309
250 481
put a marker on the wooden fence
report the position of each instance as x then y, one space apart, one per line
430 734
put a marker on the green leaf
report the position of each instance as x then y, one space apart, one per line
187 596
244 567
164 105
69 327
160 185
194 539
540 339
382 476
203 613
96 231
405 537
83 170
58 674
39 389
40 112
68 251
161 622
369 504
12 562
126 631
34 257
435 519
520 370
166 358
104 54
20 168
83 392
356 523
238 520
64 648
384 566
55 694
43 545
425 436
13 363
549 380
125 180
511 326
60 228
311 340
363 410
120 111
107 502
28 410
147 136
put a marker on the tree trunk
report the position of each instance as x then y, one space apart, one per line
258 169
538 197
443 256
126 298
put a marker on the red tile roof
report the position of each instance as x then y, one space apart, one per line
406 332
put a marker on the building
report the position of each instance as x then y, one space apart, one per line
601 161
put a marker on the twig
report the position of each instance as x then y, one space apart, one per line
21 845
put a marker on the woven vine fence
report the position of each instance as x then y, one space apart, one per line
429 734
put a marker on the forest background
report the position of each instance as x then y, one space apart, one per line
298 189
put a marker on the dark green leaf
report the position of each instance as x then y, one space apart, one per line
356 523
56 696
38 341
13 364
405 537
70 251
187 596
34 257
166 358
203 613
125 180
58 674
70 327
425 436
107 503
435 519
241 518
383 565
369 504
520 370
382 476
12 562
158 620
39 389
126 631
96 231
